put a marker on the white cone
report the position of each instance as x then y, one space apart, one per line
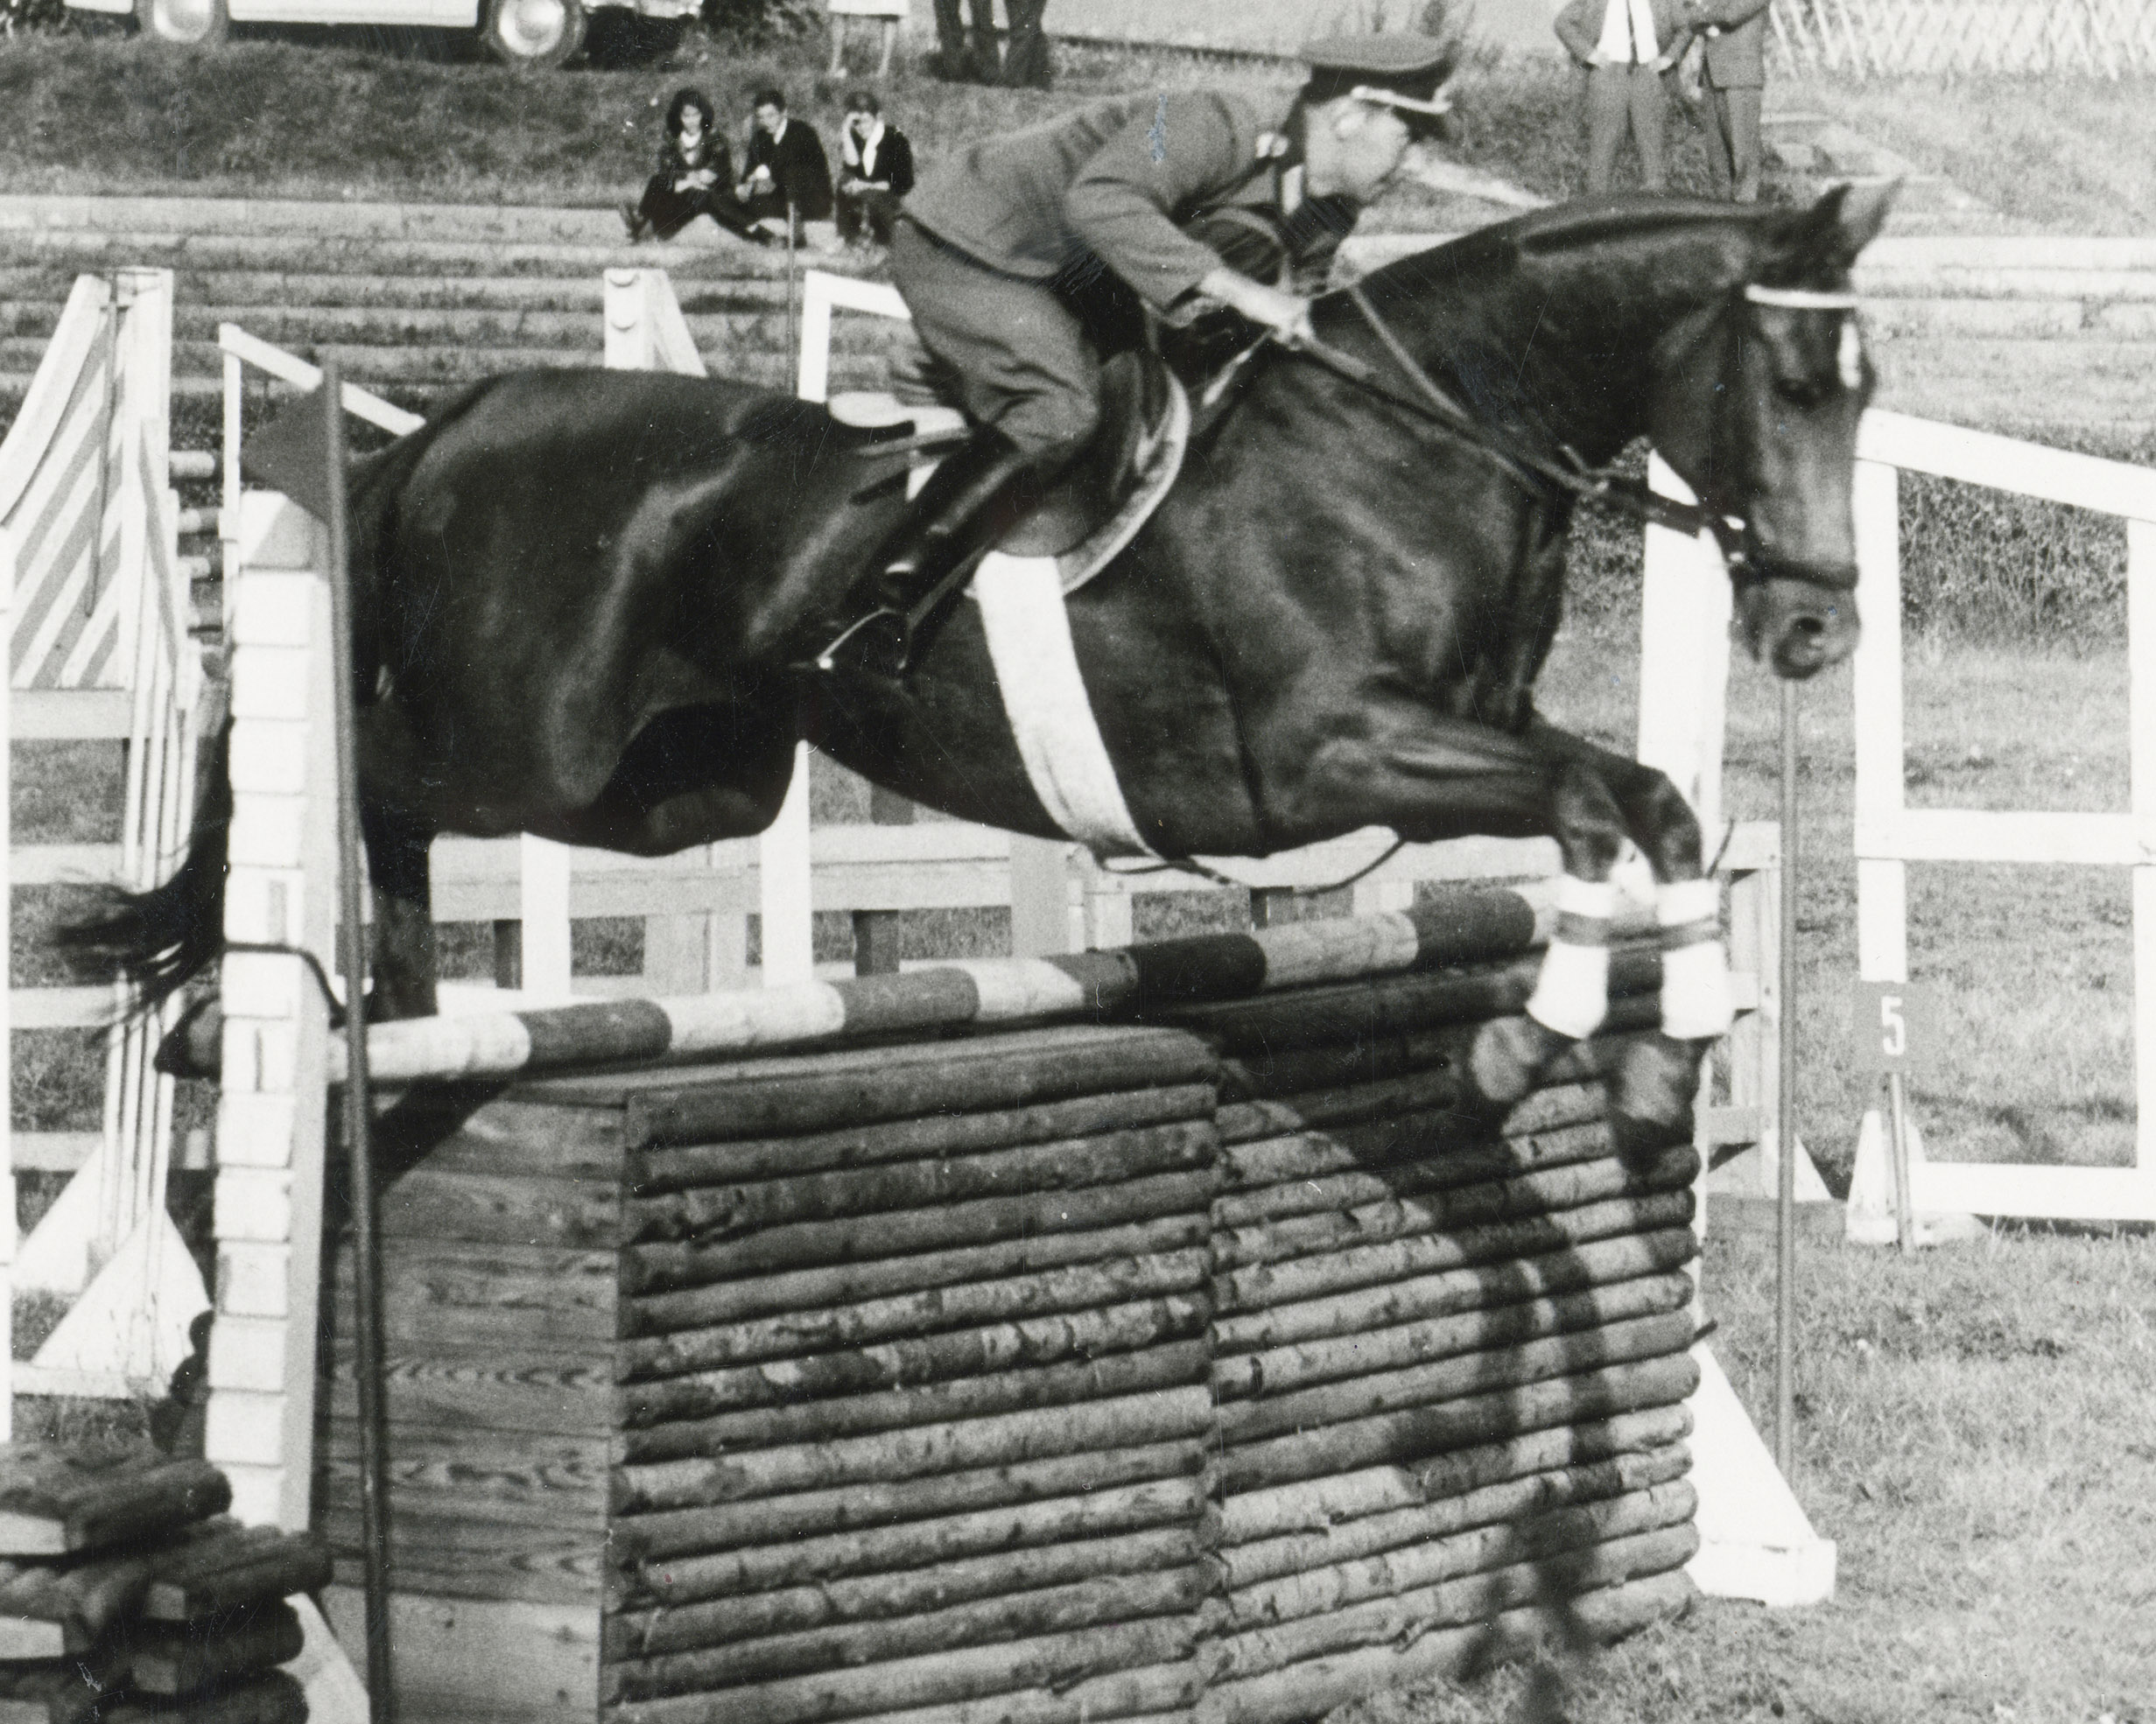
1870 1218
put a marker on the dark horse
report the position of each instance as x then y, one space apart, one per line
574 588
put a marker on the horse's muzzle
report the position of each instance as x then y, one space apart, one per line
1799 626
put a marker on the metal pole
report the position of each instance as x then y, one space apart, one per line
358 1098
1785 1193
793 338
1898 1157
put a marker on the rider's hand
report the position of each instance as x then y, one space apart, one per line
1288 315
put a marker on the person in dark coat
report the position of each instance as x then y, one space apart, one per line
1736 80
695 176
1027 63
1004 246
966 41
875 170
1627 47
786 167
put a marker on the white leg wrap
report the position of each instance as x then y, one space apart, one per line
1572 994
1696 979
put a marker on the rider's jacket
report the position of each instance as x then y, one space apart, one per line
1117 185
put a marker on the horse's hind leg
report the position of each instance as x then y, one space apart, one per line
398 844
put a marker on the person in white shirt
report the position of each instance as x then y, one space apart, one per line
1627 47
876 171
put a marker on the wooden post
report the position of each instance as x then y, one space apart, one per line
7 1020
1039 897
272 1108
786 887
875 932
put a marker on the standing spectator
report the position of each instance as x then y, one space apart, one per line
888 13
1027 63
876 171
1626 46
695 176
966 41
787 169
1736 33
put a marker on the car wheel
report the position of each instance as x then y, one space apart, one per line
532 34
186 23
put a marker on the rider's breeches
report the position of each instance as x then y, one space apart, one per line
1022 360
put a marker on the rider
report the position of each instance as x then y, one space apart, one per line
1001 247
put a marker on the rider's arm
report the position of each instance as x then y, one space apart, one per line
1173 155
1579 27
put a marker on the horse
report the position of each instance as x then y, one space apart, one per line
573 590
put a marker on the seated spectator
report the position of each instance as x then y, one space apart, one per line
787 170
875 170
695 176
1626 46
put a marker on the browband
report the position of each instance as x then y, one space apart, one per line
1799 299
1438 104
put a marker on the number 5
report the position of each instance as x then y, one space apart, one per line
1895 1040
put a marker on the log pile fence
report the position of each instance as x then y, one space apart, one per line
1887 38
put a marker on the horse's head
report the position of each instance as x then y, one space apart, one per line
1760 419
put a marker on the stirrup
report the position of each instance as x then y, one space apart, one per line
882 641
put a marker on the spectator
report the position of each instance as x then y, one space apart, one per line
966 41
876 171
1735 78
1626 46
1027 63
787 170
888 13
695 176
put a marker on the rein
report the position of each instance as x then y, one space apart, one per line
1534 471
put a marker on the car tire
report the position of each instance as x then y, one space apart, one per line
183 23
531 35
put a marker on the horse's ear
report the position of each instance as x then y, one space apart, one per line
1844 221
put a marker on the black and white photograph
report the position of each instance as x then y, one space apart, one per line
1079 861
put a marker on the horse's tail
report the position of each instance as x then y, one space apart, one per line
161 939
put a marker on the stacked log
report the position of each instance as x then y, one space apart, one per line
915 1406
1449 1351
125 1596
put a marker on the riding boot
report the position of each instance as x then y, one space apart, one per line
972 498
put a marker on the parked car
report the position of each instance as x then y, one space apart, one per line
517 33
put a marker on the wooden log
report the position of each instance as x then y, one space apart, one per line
1424 1342
1418 1297
855 1145
461 1128
711 1212
643 1634
249 1565
1421 1432
1510 1503
66 1691
518 1477
565 1394
1366 1011
1294 1692
656 1267
1424 1183
1458 1378
803 1094
1103 1701
273 1697
1087 1286
1101 1516
1102 1379
1023 1616
1416 1090
1450 1209
1315 1506
787 1298
440 1553
1158 1650
501 1209
1351 1583
48 1609
52 1503
1323 1273
812 1513
896 1364
1137 1421
1402 1148
169 1660
1476 1598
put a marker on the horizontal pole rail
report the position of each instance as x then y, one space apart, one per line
361 403
2006 464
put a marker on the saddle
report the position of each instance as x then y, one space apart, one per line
1096 506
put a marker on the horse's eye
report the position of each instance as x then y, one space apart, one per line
1799 392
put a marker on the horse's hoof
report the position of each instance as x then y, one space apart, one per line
1651 1092
1509 1055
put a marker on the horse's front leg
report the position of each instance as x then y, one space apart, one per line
398 844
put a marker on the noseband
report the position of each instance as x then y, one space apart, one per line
1542 473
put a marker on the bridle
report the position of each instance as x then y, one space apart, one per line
1564 474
